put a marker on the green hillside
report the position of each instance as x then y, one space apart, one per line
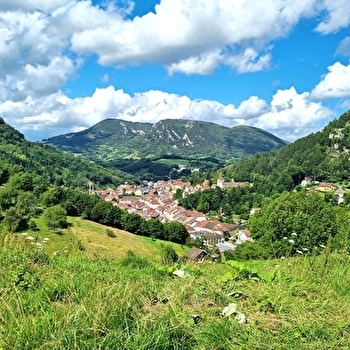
322 156
53 166
70 301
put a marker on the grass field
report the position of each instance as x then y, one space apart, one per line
101 297
93 239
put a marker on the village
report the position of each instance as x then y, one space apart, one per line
155 200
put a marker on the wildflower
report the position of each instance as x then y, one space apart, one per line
293 234
284 237
291 241
30 238
24 234
299 251
305 249
322 246
39 245
45 240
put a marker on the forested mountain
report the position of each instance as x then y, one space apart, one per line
117 139
55 167
322 156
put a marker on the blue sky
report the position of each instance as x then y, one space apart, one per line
279 65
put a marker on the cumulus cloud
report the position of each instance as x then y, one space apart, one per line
42 43
338 16
289 115
191 36
335 84
32 5
292 115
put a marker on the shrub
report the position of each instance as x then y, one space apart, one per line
110 233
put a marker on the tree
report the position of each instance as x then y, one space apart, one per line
53 196
294 222
107 214
26 203
132 223
14 220
6 195
55 217
155 228
175 232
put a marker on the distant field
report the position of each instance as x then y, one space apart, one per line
168 161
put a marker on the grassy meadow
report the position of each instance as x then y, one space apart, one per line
85 290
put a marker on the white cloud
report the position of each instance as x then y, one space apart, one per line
344 47
293 115
338 16
249 61
32 5
290 115
335 84
202 64
190 36
39 40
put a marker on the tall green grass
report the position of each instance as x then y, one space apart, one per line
71 301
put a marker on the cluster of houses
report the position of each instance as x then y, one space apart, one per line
155 201
325 187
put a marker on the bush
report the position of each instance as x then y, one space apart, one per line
110 233
169 256
249 251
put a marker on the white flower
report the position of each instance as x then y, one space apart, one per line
30 238
322 246
24 234
284 237
305 249
299 251
293 234
291 241
39 245
45 240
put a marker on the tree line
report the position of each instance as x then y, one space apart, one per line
24 196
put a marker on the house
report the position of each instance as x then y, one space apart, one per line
306 181
211 238
196 254
340 194
325 187
243 236
222 184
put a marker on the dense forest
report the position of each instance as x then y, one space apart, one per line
54 167
322 156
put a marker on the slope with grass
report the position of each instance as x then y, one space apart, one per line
96 240
71 301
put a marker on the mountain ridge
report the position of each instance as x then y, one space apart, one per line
116 138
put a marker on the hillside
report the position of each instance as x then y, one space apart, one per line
322 156
113 139
54 166
70 301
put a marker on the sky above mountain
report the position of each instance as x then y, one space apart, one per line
280 65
